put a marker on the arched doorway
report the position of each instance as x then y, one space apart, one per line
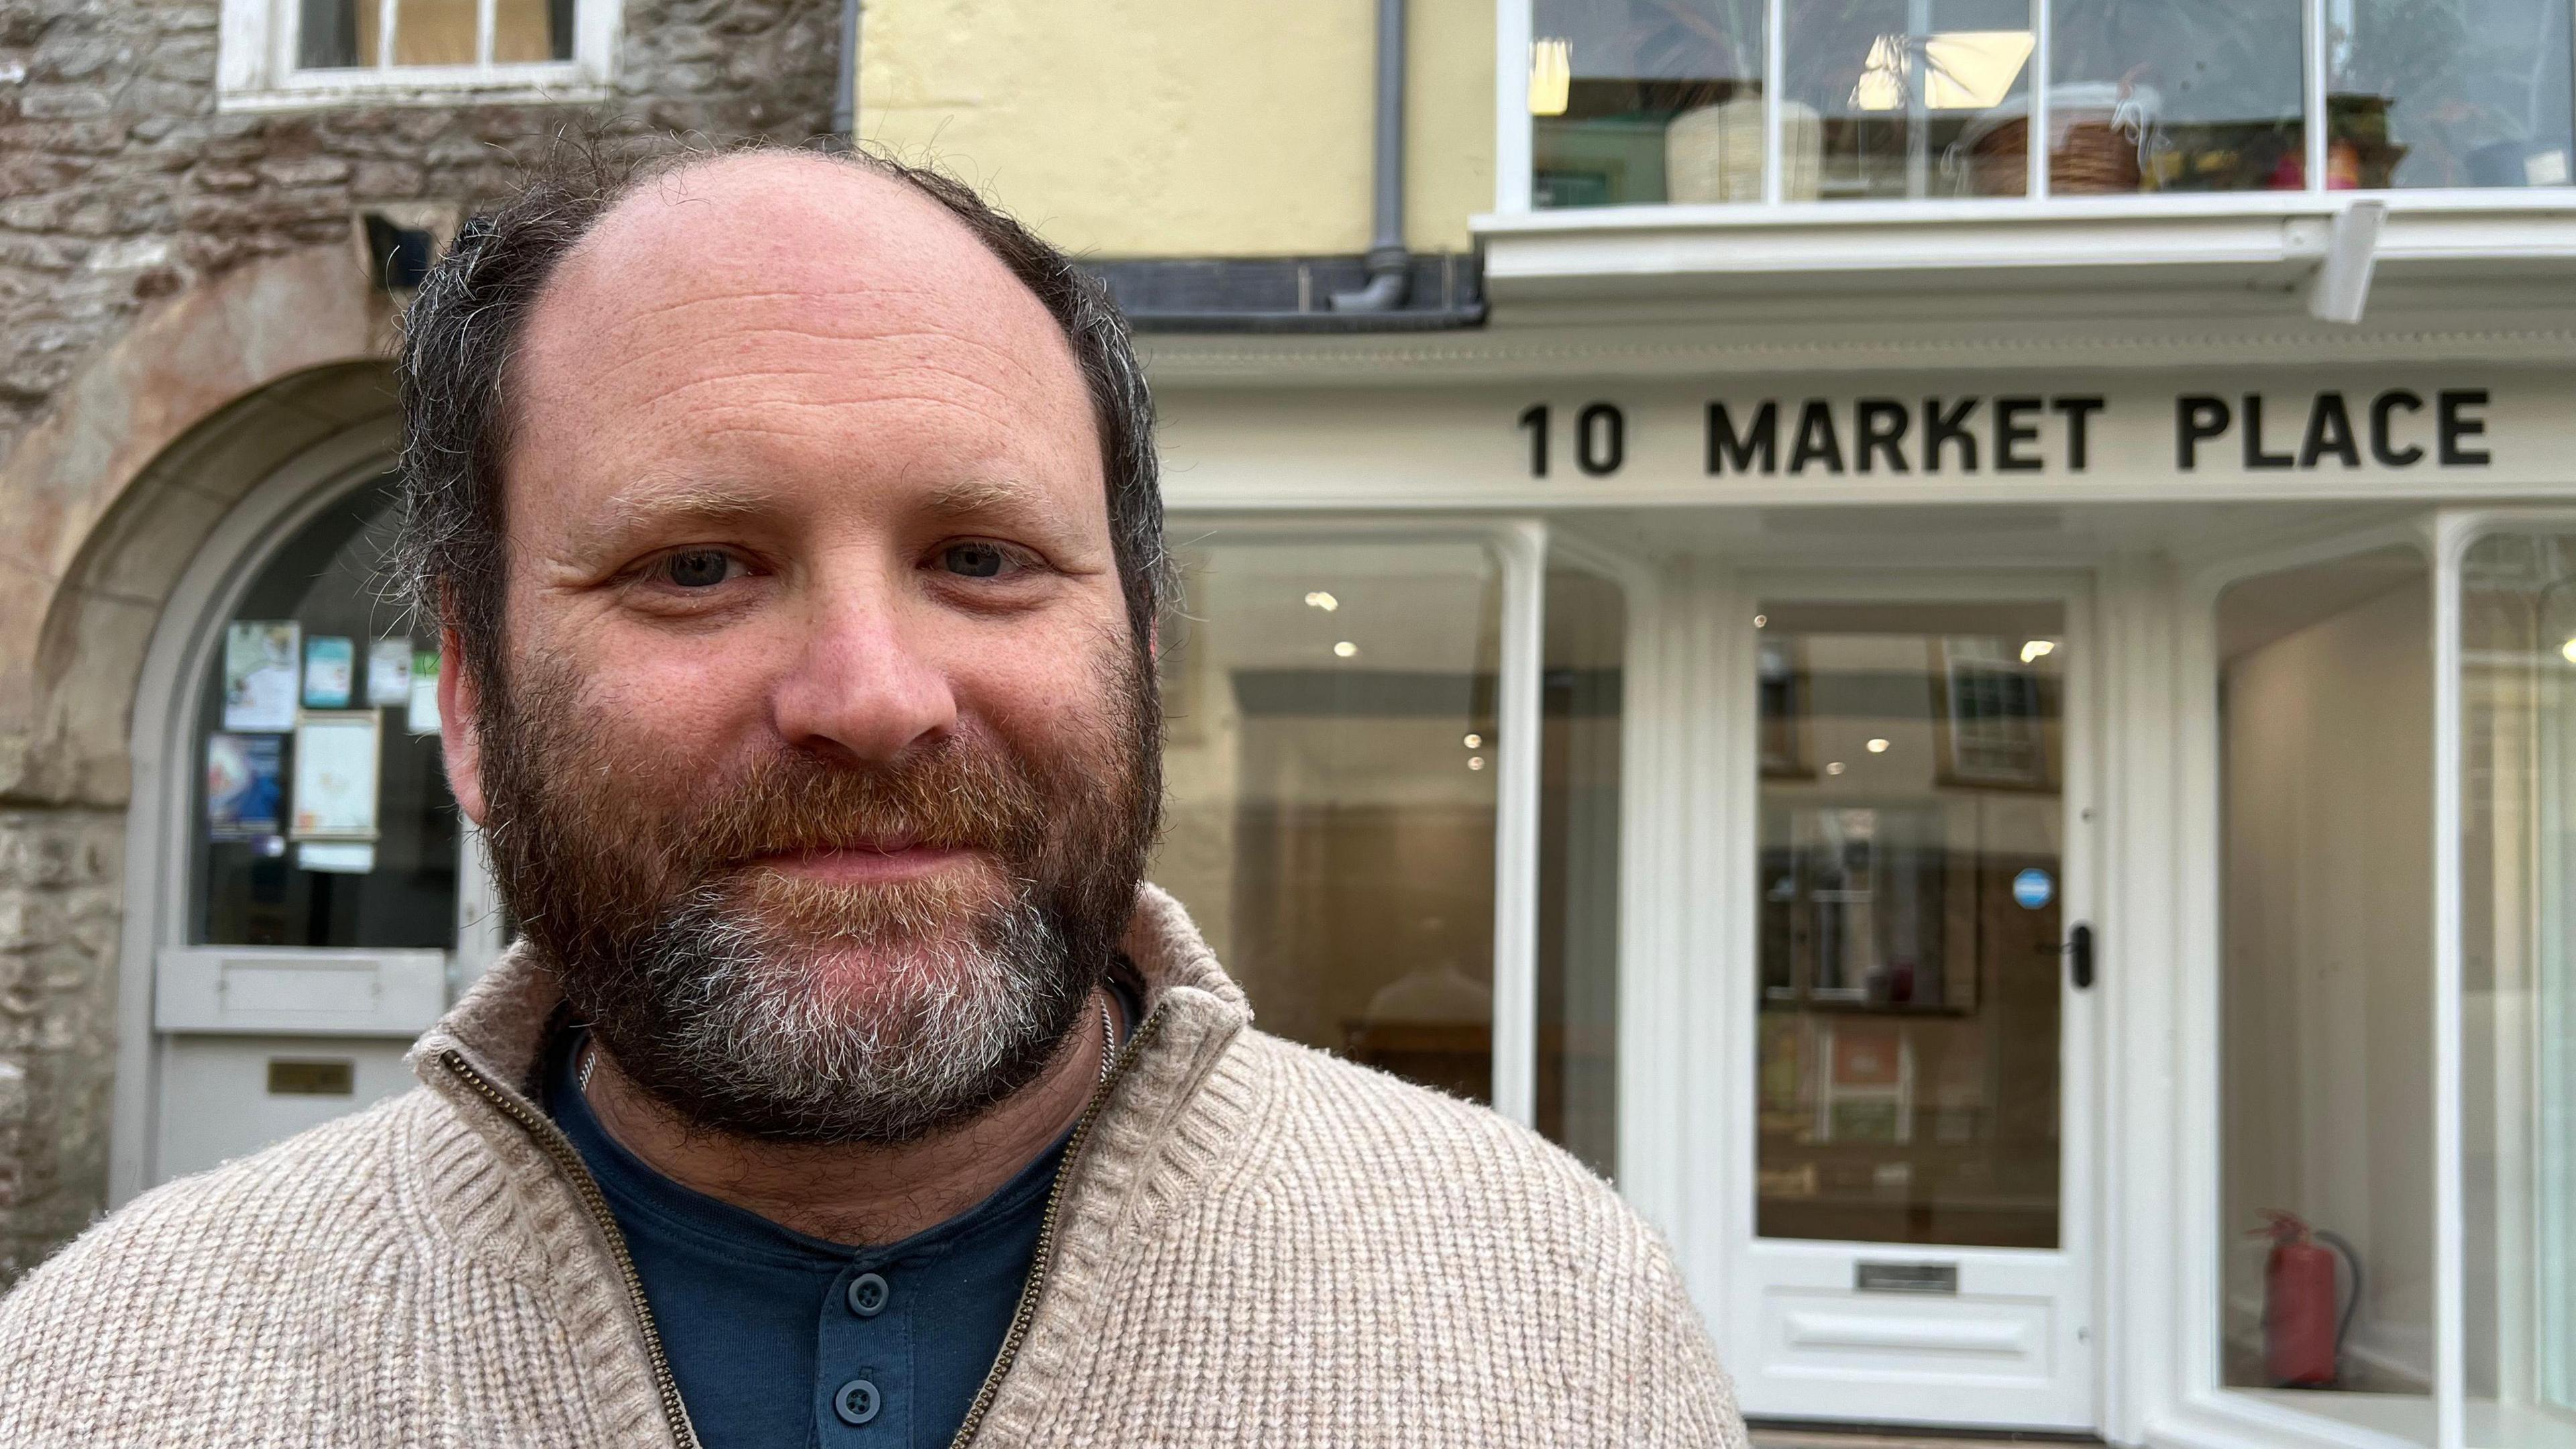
300 899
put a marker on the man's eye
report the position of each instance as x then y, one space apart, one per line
975 560
696 568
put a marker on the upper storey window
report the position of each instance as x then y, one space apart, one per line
280 53
1751 101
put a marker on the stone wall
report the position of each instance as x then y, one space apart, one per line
124 197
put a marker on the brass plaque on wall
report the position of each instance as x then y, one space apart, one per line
291 1077
1940 1278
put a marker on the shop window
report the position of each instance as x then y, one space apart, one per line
2325 1049
322 816
2518 1007
291 52
1579 782
1647 101
1910 867
1331 769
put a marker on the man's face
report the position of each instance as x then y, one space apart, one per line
821 763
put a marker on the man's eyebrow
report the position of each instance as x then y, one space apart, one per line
652 504
1000 500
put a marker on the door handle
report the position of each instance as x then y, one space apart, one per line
2079 948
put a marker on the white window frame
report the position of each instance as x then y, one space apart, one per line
256 69
1514 155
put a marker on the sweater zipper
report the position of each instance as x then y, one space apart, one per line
567 1159
1044 1258
675 1414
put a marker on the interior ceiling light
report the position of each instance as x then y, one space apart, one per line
2038 649
2567 651
1475 762
1345 649
1477 742
1878 747
1551 74
1835 768
1963 70
1321 600
1761 621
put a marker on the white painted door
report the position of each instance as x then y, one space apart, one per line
1911 1239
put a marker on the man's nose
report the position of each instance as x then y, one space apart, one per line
862 683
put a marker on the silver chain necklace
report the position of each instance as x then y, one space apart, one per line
1108 1051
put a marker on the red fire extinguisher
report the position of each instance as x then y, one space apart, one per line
2302 1329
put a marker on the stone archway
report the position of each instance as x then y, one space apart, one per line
106 502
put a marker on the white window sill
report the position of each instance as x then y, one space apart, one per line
566 85
2257 240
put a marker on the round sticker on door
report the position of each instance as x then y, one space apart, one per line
2032 889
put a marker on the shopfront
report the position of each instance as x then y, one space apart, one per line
1959 848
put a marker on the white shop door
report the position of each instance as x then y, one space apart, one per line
1911 1239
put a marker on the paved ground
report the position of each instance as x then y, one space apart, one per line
1775 1436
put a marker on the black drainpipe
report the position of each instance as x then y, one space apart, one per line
845 91
1390 272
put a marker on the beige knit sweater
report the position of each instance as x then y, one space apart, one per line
1252 1243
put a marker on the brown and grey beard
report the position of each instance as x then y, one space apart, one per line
786 1009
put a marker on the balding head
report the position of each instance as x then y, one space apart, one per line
793 528
769 210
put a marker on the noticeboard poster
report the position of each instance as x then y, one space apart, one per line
336 759
330 664
245 785
261 659
388 672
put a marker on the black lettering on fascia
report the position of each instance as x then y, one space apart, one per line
1817 439
1878 426
2198 418
2012 433
1941 427
1728 449
2256 460
2382 428
2329 431
2452 424
2079 412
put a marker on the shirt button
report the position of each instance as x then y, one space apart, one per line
868 1295
856 1402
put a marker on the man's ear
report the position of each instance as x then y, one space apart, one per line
460 737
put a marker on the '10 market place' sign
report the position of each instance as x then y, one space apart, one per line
2030 433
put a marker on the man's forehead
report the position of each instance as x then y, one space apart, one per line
737 244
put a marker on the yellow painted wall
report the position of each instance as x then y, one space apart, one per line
1141 128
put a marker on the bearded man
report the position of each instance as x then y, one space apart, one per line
793 529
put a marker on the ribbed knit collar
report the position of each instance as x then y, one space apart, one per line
1180 1106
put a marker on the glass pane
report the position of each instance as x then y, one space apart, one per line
1906 98
2326 968
1331 828
531 30
356 844
2447 93
2518 952
2179 95
1578 953
1911 846
335 34
435 32
1637 101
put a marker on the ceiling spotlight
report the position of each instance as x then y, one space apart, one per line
1477 742
2567 651
1345 649
1878 747
1321 600
1761 621
1475 762
1835 768
2038 649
